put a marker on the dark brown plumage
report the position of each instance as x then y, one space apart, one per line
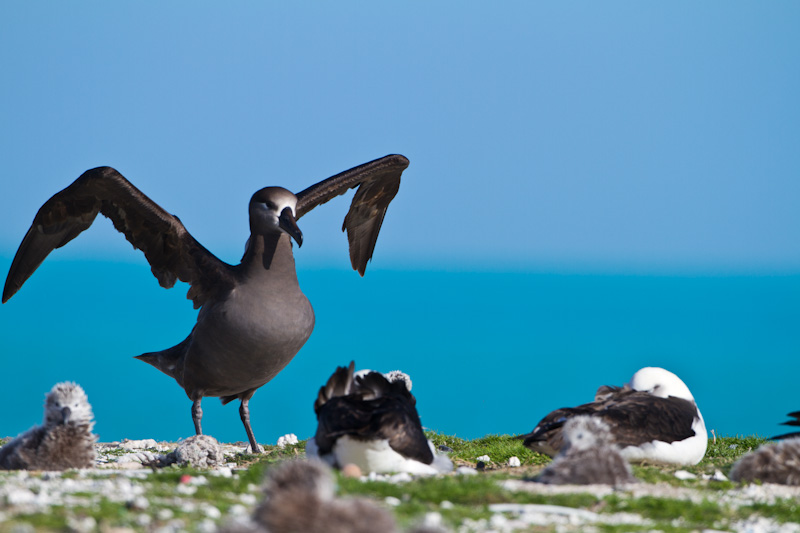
367 408
253 316
653 418
795 421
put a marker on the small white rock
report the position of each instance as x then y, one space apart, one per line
212 512
238 510
185 489
221 472
484 458
248 499
138 444
432 520
514 462
466 471
402 477
289 438
683 475
392 501
446 504
719 476
20 496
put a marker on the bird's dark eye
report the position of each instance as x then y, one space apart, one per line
271 206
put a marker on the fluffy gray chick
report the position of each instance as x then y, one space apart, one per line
589 456
64 440
299 498
771 463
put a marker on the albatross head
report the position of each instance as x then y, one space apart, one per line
66 402
661 383
272 209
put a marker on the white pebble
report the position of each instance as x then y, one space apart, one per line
185 489
432 520
222 472
466 471
20 496
719 476
289 438
402 477
514 462
138 444
446 504
206 526
238 510
248 499
212 512
684 475
498 521
165 514
484 458
392 501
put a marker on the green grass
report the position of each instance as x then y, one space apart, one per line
458 498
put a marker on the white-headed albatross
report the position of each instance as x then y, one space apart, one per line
654 418
253 316
371 421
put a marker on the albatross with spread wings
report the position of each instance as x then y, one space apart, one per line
253 316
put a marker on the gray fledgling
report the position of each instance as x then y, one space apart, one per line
771 463
64 440
588 457
299 498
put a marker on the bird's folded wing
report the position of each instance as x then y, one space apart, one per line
171 251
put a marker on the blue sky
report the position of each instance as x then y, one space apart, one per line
621 136
544 137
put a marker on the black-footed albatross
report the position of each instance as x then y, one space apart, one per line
253 316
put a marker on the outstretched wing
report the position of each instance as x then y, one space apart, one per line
795 416
171 250
377 182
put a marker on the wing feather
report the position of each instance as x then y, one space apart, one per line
378 182
171 251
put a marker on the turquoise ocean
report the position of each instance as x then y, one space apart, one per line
488 352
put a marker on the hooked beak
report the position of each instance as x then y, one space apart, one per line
66 413
287 223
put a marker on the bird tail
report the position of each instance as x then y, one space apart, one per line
339 384
168 361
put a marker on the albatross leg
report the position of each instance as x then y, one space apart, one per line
197 415
244 412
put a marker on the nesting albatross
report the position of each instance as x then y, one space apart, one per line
253 316
654 418
370 420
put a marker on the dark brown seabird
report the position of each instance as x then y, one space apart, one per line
253 316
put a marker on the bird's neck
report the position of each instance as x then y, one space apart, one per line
269 255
